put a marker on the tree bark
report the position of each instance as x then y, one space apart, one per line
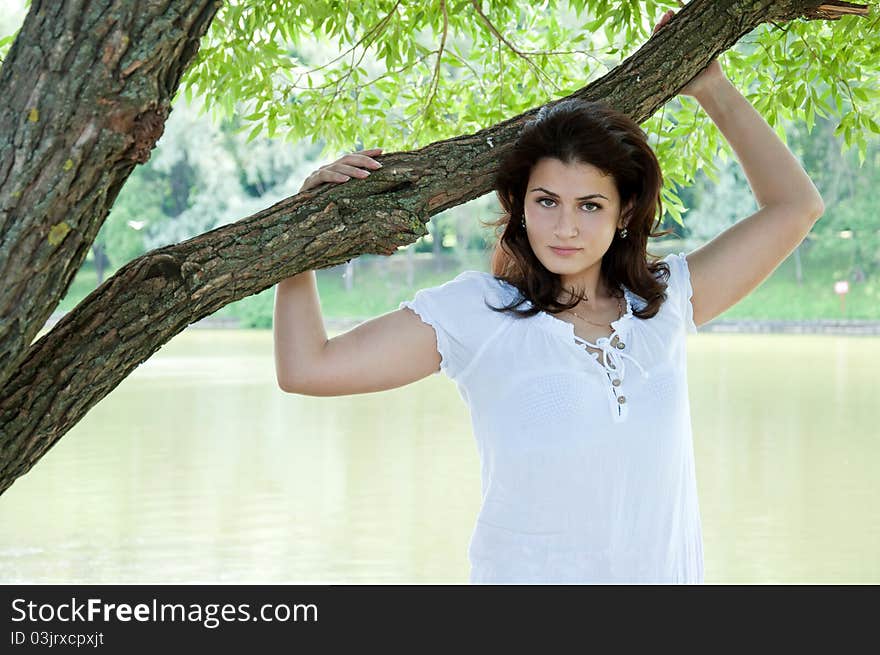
53 383
86 88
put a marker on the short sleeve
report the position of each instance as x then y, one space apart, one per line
679 290
458 313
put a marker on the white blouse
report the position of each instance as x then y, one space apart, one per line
587 467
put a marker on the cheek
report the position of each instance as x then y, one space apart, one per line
540 215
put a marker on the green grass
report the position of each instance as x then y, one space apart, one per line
376 292
781 297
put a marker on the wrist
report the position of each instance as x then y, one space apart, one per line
712 89
297 280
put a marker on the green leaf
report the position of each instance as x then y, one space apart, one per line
860 93
254 132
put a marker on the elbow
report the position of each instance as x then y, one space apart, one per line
807 211
286 384
817 209
300 387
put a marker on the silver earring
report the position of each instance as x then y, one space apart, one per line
523 221
623 233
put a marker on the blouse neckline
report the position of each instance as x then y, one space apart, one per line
618 326
612 348
565 329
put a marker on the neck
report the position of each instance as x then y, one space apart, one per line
591 281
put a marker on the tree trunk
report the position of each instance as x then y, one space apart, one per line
86 88
98 117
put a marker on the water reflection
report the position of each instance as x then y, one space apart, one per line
198 469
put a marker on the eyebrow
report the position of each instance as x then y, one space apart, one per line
550 193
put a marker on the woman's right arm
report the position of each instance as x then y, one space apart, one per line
389 351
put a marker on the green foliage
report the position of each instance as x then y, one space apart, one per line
401 74
11 19
200 176
790 74
122 234
851 229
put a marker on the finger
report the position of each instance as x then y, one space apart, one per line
329 175
319 177
345 169
360 160
371 151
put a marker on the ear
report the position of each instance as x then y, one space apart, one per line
626 214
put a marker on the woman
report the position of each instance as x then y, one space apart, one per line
571 355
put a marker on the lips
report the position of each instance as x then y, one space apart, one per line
564 251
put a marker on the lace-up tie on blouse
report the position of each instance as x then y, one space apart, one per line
613 355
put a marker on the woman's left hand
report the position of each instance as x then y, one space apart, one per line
709 76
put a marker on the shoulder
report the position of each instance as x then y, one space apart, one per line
679 291
673 275
473 285
478 279
679 279
464 299
459 311
677 304
677 263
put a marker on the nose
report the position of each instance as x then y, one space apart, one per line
566 224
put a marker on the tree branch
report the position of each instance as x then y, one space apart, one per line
154 297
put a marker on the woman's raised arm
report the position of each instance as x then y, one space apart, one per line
731 265
389 351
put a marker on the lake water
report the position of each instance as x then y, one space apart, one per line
197 468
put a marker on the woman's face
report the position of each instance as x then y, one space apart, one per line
570 206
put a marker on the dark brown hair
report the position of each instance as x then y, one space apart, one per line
590 132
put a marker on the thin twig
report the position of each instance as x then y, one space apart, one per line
513 48
435 77
377 26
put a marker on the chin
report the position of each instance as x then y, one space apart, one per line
564 268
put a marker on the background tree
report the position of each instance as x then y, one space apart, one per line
90 84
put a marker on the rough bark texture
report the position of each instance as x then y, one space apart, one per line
86 89
153 298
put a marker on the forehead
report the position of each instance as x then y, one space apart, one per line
571 179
